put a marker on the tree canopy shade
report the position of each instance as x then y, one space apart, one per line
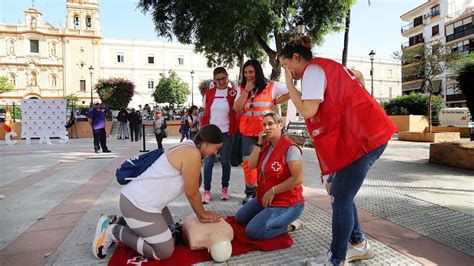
171 89
227 30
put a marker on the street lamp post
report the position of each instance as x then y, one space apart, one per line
192 87
371 55
91 71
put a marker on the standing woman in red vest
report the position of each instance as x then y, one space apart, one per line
218 105
350 131
256 97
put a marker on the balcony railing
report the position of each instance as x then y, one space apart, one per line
456 15
410 26
408 44
465 32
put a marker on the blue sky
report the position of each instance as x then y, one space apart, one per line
374 27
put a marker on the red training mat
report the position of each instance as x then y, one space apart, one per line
185 256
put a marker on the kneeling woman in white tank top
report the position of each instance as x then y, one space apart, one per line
143 201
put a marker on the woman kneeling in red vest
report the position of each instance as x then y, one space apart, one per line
279 200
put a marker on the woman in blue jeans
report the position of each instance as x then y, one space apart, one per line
349 130
279 200
217 103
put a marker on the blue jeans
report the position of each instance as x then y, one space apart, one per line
225 162
345 185
266 223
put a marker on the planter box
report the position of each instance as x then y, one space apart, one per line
453 154
412 123
463 130
429 137
82 130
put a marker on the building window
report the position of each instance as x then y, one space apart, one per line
435 11
120 58
34 46
88 22
151 59
54 81
435 30
151 84
82 85
76 22
389 73
418 21
390 92
180 60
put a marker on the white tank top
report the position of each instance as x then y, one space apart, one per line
159 185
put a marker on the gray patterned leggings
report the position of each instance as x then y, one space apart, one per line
147 233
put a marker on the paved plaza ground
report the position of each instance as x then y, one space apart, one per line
412 212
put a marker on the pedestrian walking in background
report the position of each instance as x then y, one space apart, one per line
184 128
159 125
122 117
256 97
133 121
140 124
350 131
218 105
193 121
98 122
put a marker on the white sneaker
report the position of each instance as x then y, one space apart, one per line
364 253
297 224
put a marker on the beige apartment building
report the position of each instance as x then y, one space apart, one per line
446 22
44 61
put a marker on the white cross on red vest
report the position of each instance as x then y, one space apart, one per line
137 260
276 166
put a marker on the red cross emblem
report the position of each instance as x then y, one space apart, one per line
137 260
276 166
232 93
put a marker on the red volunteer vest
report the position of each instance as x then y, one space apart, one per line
210 96
276 171
251 120
349 122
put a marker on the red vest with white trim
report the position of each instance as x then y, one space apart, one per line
251 120
349 122
210 96
276 171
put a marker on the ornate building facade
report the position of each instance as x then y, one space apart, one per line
43 61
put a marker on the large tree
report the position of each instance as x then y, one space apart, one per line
228 30
426 63
115 93
171 89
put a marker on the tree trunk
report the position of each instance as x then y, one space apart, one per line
276 67
241 65
346 38
430 85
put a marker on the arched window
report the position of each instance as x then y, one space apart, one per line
88 22
76 21
13 79
54 81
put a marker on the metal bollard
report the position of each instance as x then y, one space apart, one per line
144 144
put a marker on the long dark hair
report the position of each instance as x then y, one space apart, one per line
209 134
260 80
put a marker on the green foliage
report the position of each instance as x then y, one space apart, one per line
115 93
226 31
15 111
5 84
71 101
171 89
204 85
284 108
413 104
465 80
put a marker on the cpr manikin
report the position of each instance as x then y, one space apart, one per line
215 237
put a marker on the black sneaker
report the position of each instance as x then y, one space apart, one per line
107 151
